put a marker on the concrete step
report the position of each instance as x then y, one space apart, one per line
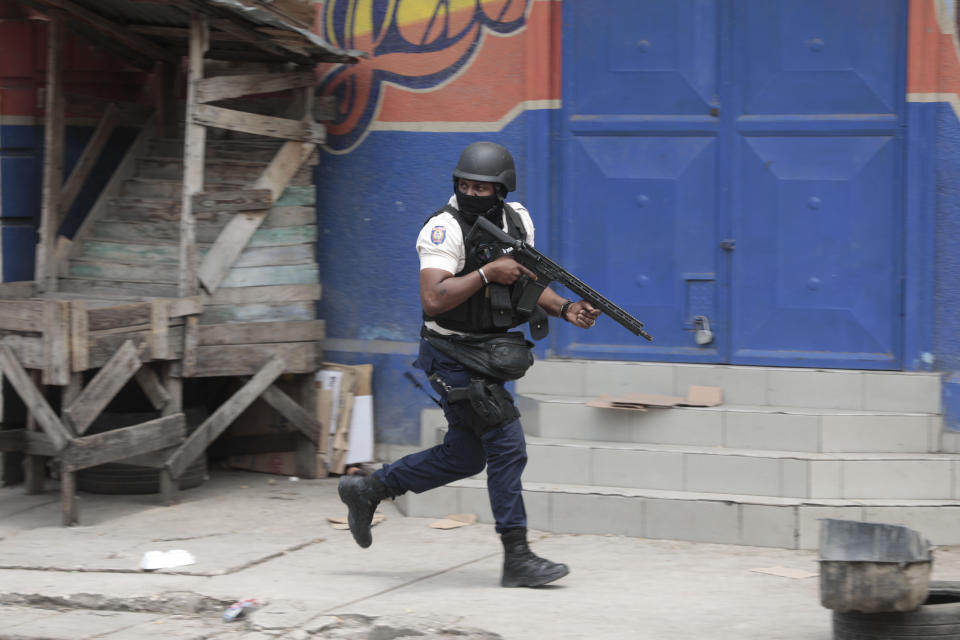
913 392
700 517
735 426
784 474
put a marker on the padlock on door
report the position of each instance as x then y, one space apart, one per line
703 335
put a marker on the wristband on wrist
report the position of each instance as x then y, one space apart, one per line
563 309
483 276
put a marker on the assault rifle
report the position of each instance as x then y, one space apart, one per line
548 271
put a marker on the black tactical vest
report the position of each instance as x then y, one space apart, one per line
492 308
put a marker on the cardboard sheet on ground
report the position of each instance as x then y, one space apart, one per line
787 572
341 523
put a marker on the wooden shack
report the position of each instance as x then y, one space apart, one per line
197 259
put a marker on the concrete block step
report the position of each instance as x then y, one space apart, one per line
914 392
699 517
736 426
754 472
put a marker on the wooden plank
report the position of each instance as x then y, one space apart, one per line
178 307
56 340
91 153
119 290
277 255
112 29
22 315
242 30
14 290
29 350
121 315
240 230
174 386
33 399
37 443
270 126
117 444
278 293
223 87
243 360
294 195
194 152
68 495
311 460
45 271
234 200
220 419
191 340
102 389
150 383
257 332
258 312
266 276
13 440
79 330
159 327
104 345
297 415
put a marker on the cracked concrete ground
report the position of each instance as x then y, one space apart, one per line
267 537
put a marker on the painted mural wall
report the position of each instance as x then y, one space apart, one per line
441 74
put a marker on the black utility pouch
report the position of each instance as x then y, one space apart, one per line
483 406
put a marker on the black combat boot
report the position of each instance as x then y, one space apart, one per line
522 567
362 494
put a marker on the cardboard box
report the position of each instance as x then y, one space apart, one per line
345 399
697 396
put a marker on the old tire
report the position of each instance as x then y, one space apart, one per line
127 479
937 617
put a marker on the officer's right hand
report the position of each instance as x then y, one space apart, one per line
506 270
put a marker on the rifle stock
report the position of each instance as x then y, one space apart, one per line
549 271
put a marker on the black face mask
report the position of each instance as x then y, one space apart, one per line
473 206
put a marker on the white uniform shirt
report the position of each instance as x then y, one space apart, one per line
440 244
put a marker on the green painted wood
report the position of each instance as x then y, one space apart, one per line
153 254
283 236
298 195
262 276
259 312
119 251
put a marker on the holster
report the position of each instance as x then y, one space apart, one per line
483 405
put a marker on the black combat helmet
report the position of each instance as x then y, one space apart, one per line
487 162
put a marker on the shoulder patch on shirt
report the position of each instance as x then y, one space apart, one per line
438 234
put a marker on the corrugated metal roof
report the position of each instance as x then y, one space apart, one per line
278 26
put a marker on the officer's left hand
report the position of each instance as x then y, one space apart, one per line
582 314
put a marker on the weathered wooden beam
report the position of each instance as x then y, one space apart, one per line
247 34
257 332
311 459
270 126
150 383
21 315
104 386
117 444
159 329
220 419
289 409
45 271
191 306
244 359
56 342
236 200
174 386
79 330
191 340
194 153
91 153
19 289
110 28
277 293
13 440
36 404
38 443
223 254
224 87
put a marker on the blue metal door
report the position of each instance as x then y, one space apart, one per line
734 165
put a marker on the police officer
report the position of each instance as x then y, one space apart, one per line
470 297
